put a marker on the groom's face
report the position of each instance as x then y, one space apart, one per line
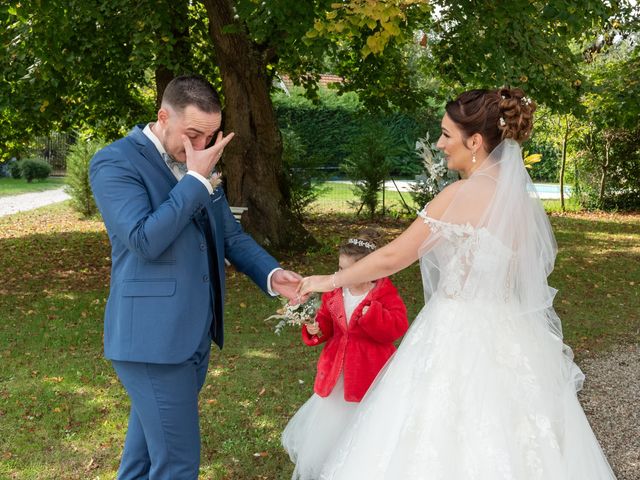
196 124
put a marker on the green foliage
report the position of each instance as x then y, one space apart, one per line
78 186
533 45
613 97
369 163
34 169
87 65
301 171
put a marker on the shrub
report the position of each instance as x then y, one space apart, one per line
326 127
34 169
78 186
608 170
369 163
548 169
14 169
301 173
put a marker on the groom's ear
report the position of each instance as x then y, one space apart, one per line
163 116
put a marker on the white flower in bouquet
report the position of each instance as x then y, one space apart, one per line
296 315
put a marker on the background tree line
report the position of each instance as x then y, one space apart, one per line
100 67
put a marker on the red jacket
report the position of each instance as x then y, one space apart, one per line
362 348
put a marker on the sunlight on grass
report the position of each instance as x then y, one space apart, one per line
261 354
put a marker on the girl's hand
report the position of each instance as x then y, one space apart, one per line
313 328
315 283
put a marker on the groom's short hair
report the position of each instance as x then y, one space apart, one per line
194 90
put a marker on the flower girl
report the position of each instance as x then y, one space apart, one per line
358 325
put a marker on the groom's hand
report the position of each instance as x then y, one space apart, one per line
203 161
285 283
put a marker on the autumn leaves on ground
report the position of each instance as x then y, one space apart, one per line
63 412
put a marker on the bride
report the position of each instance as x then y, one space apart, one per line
482 386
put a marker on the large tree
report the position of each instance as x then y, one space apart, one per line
79 63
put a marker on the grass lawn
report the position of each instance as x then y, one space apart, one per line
63 413
12 186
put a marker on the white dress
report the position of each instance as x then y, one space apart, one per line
475 391
314 430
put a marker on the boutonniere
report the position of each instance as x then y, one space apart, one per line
215 179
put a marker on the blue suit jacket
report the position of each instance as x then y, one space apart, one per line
162 297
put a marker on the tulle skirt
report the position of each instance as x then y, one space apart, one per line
475 391
314 430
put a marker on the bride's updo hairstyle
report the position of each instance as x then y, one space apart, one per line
494 114
367 241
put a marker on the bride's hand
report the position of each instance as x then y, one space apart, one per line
315 283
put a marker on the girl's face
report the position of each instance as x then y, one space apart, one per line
453 145
345 261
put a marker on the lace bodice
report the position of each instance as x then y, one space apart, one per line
469 261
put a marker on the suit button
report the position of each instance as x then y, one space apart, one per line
205 278
203 247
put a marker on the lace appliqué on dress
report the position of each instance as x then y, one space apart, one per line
473 263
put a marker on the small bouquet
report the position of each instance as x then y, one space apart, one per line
296 315
433 161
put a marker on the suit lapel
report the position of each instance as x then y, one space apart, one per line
151 154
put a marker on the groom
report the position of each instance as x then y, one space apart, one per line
170 229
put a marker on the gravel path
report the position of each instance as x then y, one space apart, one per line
611 400
29 201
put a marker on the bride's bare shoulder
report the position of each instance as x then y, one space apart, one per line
436 207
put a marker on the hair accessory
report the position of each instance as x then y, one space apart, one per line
525 101
502 122
503 97
362 243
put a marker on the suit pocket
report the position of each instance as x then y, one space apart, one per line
148 288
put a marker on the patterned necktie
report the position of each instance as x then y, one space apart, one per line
179 169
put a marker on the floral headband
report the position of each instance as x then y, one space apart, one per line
362 243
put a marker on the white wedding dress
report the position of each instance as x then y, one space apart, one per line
482 386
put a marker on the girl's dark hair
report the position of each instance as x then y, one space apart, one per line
367 241
193 90
494 114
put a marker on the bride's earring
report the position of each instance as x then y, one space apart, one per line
473 158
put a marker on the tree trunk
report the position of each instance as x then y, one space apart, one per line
176 54
563 163
605 168
252 162
163 77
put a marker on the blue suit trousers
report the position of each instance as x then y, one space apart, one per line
163 437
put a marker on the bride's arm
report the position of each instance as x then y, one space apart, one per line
391 258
